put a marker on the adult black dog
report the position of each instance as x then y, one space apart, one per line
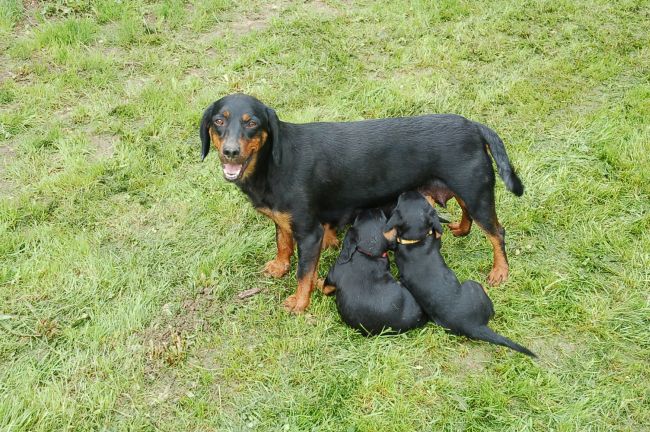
463 309
307 176
368 298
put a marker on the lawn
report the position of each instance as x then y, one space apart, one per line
121 254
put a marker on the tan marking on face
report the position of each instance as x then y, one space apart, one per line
390 235
246 117
249 148
252 145
226 114
216 140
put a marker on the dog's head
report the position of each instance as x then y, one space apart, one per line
413 219
366 234
240 128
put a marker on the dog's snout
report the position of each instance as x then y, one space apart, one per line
231 152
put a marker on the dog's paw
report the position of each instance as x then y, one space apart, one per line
458 229
276 269
295 305
498 275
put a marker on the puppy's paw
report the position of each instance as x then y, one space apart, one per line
325 289
276 268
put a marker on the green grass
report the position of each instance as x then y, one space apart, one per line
121 254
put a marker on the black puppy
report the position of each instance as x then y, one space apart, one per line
462 309
368 298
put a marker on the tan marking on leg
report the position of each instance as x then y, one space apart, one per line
280 265
329 238
499 271
298 302
462 228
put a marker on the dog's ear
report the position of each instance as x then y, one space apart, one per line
394 221
204 131
349 246
274 127
436 226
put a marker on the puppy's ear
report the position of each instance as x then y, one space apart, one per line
349 246
204 131
435 223
274 127
395 221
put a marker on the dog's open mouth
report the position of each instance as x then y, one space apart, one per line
234 172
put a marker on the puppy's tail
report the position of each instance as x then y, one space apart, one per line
498 152
485 333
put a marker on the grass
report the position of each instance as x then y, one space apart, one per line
121 254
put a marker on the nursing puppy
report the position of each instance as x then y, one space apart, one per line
463 309
367 296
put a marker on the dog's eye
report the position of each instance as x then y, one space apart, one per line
218 122
251 124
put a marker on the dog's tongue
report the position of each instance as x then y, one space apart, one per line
231 170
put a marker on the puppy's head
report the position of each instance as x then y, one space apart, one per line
240 128
366 234
413 218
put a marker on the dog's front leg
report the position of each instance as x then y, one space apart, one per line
309 238
279 266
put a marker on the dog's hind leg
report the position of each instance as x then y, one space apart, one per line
497 236
462 228
329 237
482 210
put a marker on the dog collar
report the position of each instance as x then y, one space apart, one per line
410 242
366 253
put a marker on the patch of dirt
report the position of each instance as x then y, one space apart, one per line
321 7
206 39
554 350
196 72
474 361
103 145
169 339
247 25
7 155
134 85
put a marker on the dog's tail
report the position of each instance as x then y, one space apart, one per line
485 333
504 168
